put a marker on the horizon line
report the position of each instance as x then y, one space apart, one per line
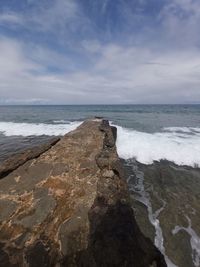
132 104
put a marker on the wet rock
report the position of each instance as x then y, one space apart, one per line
172 194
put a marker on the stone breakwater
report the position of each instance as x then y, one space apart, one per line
67 204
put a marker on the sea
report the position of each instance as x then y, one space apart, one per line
145 132
160 148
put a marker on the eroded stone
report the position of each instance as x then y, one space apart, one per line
69 206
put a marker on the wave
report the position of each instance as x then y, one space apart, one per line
182 129
175 144
28 129
181 148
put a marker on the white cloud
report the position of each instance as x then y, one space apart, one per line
57 18
180 20
13 60
10 18
119 75
59 15
166 69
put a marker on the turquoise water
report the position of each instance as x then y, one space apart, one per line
147 132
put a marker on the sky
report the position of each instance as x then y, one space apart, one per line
99 51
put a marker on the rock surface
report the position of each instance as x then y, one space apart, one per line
169 194
69 206
15 161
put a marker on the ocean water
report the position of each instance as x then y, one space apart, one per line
145 132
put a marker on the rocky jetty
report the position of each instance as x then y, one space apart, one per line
67 204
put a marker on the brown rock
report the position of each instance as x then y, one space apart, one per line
108 173
17 160
69 206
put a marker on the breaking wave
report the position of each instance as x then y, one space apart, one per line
28 129
178 144
174 144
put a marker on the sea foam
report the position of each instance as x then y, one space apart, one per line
175 145
28 129
178 144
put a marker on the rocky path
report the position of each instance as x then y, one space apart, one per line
68 205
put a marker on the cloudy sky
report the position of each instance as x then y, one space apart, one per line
99 51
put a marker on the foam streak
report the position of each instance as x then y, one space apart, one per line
28 129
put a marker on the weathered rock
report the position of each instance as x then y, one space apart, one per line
69 206
19 159
108 173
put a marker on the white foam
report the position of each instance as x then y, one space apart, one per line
27 129
181 148
194 241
